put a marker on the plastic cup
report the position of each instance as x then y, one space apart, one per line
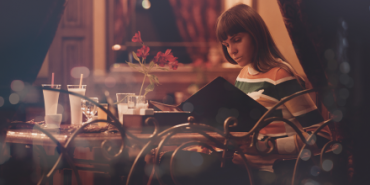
123 99
75 104
53 120
51 98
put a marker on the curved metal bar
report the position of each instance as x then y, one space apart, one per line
304 146
74 134
44 164
59 145
282 101
323 151
156 158
184 145
169 130
155 123
249 172
270 120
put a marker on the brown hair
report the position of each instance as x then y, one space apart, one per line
242 18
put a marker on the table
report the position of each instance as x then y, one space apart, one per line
86 149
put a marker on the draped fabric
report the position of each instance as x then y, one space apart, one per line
196 20
27 30
331 39
122 19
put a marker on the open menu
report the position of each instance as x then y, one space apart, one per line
215 102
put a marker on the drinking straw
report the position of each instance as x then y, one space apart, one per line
52 80
82 75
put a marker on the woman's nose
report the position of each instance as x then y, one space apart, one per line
233 50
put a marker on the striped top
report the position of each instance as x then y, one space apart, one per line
269 88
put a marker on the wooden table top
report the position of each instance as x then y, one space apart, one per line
35 137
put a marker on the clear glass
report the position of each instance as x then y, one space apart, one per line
123 102
51 98
75 103
139 102
89 109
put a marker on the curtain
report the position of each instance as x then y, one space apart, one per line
27 30
196 20
331 39
122 19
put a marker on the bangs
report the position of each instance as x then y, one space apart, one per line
228 26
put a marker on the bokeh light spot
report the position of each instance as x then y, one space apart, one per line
332 65
315 171
196 159
2 101
344 79
337 115
116 47
333 79
77 71
17 85
343 93
337 148
328 100
329 54
344 24
345 42
327 165
188 107
306 154
14 98
344 67
313 140
146 4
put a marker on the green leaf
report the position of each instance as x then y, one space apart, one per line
155 79
135 56
149 88
132 65
151 64
135 66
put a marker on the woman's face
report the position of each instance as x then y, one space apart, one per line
240 48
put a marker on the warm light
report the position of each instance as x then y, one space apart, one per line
327 165
146 4
116 47
77 71
14 98
17 85
196 159
306 154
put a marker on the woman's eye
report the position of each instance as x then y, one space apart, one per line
237 39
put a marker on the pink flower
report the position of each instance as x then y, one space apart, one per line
160 59
143 51
173 65
137 37
166 58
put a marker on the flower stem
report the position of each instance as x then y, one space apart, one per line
142 84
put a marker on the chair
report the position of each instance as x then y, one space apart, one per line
228 144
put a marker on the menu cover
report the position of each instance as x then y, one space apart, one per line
215 102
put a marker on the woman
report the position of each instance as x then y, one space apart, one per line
267 77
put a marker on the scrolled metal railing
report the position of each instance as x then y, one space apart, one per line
228 138
163 137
